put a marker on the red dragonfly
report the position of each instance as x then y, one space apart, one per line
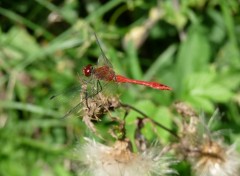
103 72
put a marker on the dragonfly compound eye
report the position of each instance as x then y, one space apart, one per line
87 71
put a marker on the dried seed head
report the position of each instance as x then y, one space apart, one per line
205 150
96 106
119 160
214 159
184 109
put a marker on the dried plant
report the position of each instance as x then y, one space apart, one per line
205 150
119 160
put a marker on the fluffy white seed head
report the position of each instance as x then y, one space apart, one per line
214 159
118 160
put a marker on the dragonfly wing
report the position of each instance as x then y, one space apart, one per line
69 99
109 88
93 88
102 60
74 110
97 86
71 92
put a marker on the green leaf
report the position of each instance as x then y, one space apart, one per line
201 103
163 116
204 88
218 93
18 38
164 59
134 63
193 55
230 80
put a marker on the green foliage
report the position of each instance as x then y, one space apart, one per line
193 48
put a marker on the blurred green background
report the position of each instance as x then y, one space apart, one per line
190 45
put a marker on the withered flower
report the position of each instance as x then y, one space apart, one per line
216 159
204 149
119 160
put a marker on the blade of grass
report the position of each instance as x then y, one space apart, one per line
28 107
103 9
229 21
134 65
50 6
51 48
161 61
42 146
41 123
19 19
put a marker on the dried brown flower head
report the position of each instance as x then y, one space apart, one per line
95 107
204 149
216 159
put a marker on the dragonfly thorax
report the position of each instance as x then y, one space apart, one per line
87 71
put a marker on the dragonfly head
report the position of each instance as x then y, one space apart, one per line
87 71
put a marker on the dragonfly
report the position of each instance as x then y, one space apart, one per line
104 71
97 77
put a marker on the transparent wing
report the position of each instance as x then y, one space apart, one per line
71 92
74 110
68 101
93 87
102 60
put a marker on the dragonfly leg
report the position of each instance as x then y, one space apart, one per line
99 89
99 86
86 99
73 110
